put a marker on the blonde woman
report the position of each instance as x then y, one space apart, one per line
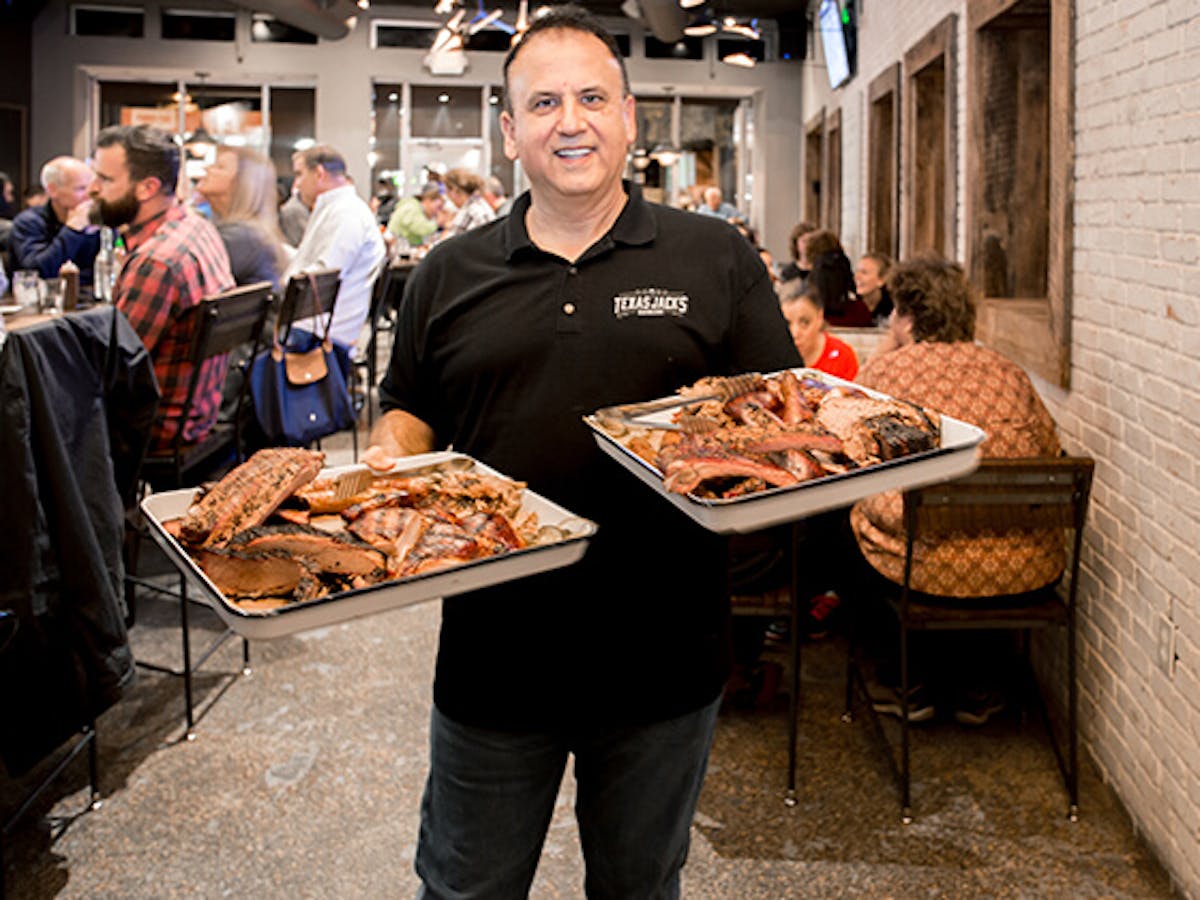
465 190
240 188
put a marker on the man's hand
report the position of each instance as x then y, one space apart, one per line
80 217
378 458
396 434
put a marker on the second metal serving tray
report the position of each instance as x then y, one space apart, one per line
958 455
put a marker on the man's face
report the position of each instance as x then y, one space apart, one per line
571 123
71 189
116 196
307 182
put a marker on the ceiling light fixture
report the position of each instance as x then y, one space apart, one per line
691 4
750 30
700 25
665 156
742 60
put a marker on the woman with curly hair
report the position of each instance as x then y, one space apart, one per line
938 365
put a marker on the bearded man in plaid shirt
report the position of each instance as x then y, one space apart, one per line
176 259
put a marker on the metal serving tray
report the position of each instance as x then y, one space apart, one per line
957 456
340 607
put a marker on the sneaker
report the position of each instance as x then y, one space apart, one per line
976 707
820 609
779 631
886 700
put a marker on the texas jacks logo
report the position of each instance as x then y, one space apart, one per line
650 302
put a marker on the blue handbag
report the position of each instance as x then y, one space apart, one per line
299 387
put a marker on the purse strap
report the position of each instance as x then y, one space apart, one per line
314 298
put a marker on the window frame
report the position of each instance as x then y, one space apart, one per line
883 85
1034 332
938 42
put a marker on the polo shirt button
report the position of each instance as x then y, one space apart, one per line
572 271
569 308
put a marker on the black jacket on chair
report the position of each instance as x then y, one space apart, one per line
77 400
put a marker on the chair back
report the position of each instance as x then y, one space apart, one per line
308 294
1002 494
221 324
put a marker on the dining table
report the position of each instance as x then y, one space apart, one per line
78 397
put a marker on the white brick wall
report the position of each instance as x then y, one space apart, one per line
1134 402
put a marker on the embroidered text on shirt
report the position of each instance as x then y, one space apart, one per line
650 302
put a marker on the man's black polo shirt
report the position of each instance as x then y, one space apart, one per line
502 348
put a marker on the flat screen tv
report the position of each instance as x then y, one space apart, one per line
836 26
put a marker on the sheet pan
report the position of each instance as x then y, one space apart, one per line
958 455
341 607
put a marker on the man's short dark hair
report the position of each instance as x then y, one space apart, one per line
567 17
149 153
324 156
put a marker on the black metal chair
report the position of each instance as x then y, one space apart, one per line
313 295
1001 494
220 325
385 301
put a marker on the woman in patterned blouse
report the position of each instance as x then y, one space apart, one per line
938 365
465 190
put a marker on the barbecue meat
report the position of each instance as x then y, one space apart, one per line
339 554
248 575
247 495
873 430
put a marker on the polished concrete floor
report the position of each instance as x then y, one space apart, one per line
303 780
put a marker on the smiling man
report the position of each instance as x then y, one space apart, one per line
176 259
584 296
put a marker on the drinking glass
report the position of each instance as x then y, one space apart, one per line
25 288
52 291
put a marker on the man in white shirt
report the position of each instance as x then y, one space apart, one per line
341 234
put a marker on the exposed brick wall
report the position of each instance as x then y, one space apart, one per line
1134 401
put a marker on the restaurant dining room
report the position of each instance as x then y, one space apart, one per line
842 545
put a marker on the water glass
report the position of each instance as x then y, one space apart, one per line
25 288
52 292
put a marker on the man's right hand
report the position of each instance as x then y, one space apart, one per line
80 217
378 458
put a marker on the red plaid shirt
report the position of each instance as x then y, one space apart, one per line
175 260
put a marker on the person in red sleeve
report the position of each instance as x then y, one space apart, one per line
175 260
818 348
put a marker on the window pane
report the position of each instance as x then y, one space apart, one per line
189 26
446 112
410 37
502 166
387 115
754 49
707 130
293 118
686 48
137 103
107 22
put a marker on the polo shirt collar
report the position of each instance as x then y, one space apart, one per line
634 226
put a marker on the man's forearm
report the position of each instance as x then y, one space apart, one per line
398 433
